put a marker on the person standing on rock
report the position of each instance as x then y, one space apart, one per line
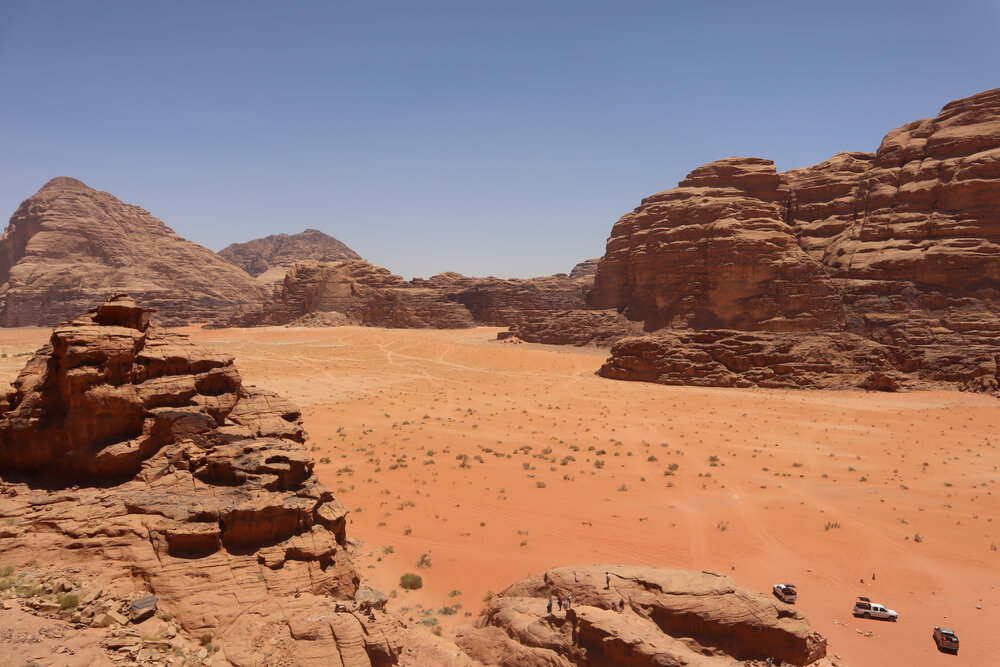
560 601
548 607
569 600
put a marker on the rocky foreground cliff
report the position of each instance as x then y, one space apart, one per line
900 247
70 246
155 510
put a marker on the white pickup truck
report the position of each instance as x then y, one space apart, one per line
785 592
868 609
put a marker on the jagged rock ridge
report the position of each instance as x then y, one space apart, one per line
68 247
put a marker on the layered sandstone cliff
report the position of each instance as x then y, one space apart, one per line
900 246
69 247
268 259
716 252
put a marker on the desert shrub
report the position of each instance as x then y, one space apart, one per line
68 600
411 582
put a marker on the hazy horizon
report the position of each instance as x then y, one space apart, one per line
448 136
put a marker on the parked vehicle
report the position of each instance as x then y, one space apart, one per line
785 592
868 609
946 639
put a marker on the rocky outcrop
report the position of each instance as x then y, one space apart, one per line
145 454
725 358
356 292
670 618
361 293
270 258
69 247
504 303
716 252
749 359
574 327
585 270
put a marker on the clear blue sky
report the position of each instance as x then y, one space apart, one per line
491 138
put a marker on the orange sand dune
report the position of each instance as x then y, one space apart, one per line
499 461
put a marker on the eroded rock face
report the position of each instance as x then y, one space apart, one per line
928 208
504 303
356 292
69 246
574 327
137 449
270 258
362 293
670 618
716 252
901 247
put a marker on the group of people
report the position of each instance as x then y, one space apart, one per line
568 602
563 604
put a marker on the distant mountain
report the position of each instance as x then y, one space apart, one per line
268 259
68 247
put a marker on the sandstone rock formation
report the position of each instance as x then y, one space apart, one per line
585 270
147 456
726 358
358 291
716 252
670 618
499 302
573 327
331 293
269 259
901 247
69 247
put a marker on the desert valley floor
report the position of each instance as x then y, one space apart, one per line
500 460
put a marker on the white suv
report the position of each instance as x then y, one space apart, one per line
868 609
